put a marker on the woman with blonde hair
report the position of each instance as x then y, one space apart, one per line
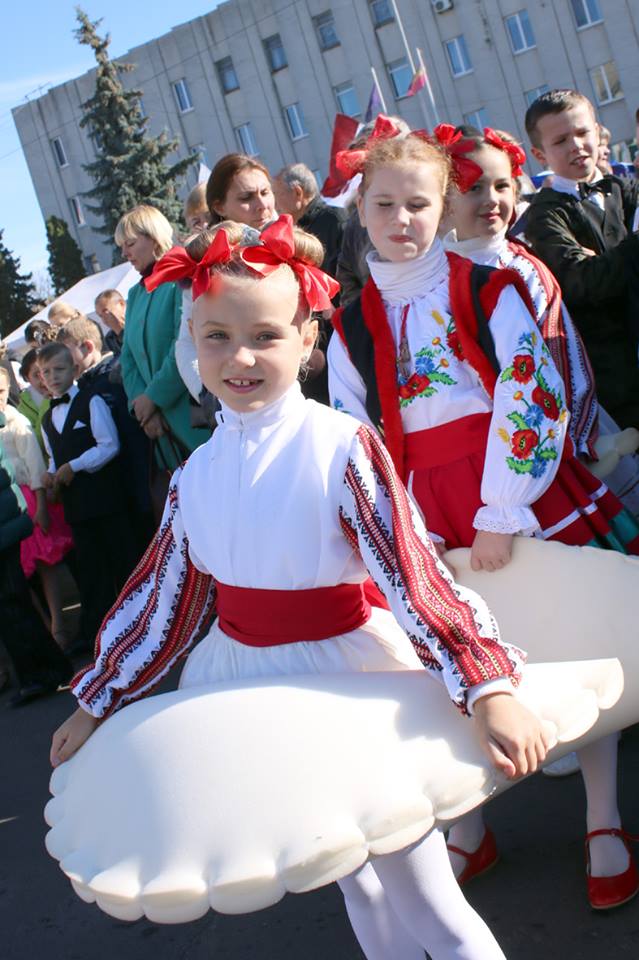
155 391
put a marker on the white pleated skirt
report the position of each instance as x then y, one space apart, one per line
379 645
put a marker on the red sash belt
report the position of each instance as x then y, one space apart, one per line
268 618
446 443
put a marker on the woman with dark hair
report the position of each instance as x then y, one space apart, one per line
238 189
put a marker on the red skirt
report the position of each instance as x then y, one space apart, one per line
445 465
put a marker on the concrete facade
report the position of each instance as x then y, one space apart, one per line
315 56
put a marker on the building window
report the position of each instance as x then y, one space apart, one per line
77 211
91 264
531 95
458 56
141 107
295 121
347 100
227 75
605 80
381 12
246 140
200 149
520 32
182 96
59 151
325 30
586 12
401 76
275 52
478 118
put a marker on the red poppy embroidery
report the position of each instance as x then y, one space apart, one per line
547 403
454 345
413 386
523 368
523 442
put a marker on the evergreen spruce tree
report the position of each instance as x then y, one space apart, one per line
17 295
65 256
131 167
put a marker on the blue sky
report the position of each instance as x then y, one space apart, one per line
37 48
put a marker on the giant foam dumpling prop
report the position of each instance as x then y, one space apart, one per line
230 796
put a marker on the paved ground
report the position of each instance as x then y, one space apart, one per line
534 900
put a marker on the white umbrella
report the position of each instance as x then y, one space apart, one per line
82 296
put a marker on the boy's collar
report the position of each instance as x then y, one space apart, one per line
564 185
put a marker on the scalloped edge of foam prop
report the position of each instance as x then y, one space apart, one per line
221 822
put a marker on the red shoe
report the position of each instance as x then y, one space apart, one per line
604 893
482 859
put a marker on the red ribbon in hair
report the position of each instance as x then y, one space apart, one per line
466 171
515 153
351 162
278 247
176 264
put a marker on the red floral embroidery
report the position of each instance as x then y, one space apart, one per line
523 368
454 345
547 403
523 442
414 385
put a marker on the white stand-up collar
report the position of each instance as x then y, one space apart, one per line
266 416
477 249
401 282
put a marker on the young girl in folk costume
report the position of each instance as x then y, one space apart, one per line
446 359
487 168
278 464
34 399
51 540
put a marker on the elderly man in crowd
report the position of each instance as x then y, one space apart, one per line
296 192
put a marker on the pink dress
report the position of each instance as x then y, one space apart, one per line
23 450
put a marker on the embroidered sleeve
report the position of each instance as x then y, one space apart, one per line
450 627
528 426
345 386
162 610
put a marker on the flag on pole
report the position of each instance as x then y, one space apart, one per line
417 83
344 130
375 105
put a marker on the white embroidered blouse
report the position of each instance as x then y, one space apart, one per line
437 386
291 497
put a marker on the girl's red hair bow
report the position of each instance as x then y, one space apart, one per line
466 172
278 247
351 162
515 153
178 265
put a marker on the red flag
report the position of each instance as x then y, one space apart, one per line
344 130
417 83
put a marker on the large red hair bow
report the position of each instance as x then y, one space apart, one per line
466 172
278 247
515 153
351 162
178 265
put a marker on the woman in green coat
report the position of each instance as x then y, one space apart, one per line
155 390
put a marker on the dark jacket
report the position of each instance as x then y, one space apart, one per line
352 269
15 524
89 495
601 291
327 224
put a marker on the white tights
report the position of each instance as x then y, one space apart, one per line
407 902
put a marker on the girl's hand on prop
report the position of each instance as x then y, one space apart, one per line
491 551
514 739
154 427
69 737
41 517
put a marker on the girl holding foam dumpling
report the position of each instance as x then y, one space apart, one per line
277 465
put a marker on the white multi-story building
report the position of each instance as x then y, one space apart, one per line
267 76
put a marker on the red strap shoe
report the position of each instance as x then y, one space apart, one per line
482 859
605 893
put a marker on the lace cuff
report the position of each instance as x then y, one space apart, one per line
498 685
506 519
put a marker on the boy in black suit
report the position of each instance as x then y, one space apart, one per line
83 447
582 228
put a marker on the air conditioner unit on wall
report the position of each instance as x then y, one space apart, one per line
441 6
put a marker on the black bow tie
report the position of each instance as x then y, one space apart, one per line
601 186
65 398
